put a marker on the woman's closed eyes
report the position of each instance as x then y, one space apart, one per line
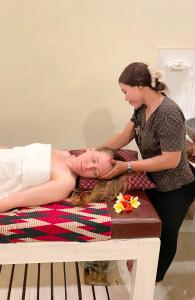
96 170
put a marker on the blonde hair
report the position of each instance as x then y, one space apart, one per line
104 189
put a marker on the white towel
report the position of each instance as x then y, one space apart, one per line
24 167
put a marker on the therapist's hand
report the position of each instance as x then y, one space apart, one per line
119 167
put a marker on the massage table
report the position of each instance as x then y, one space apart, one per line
134 236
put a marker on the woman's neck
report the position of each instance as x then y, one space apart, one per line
63 157
153 100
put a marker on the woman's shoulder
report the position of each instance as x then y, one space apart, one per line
170 109
170 104
63 174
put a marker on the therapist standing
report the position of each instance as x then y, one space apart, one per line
158 126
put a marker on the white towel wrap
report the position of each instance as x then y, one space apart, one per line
24 167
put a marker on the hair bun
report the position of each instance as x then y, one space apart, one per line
155 75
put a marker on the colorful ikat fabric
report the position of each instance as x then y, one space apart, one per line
60 221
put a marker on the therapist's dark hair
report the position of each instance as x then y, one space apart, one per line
137 74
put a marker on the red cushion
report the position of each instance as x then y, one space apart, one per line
137 181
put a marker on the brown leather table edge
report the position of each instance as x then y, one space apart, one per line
142 222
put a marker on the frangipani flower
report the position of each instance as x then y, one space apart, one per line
126 203
118 207
134 202
120 197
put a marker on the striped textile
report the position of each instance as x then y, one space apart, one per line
59 221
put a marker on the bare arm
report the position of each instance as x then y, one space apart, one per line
51 191
123 138
167 160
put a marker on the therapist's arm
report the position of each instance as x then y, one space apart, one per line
165 161
121 139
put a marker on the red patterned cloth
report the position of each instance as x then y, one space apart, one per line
137 181
59 221
140 181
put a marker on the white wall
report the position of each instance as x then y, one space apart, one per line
60 61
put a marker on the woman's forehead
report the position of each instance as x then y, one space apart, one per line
104 163
103 155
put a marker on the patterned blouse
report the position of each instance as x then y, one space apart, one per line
163 131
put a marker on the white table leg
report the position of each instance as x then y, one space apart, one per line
144 271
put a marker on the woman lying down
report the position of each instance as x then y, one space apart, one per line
36 174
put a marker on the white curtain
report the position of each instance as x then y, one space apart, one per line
178 67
